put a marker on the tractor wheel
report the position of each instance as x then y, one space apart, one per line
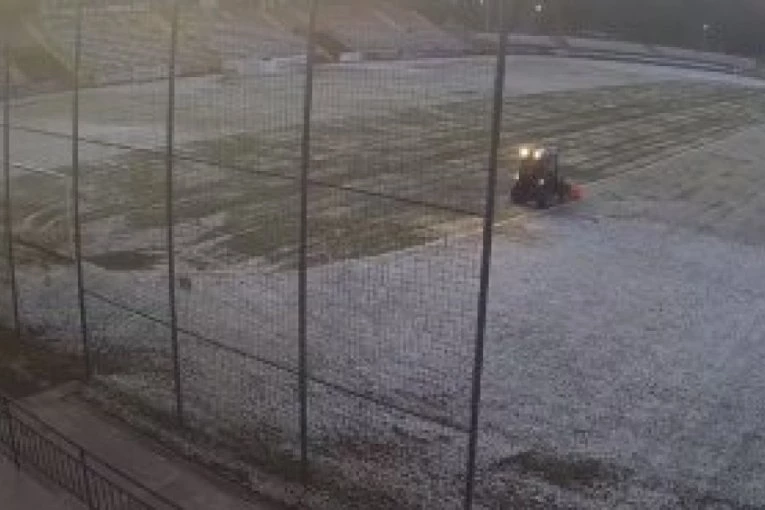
517 196
564 192
543 200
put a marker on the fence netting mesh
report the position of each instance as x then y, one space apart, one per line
196 115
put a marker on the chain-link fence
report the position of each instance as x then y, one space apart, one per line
247 231
265 226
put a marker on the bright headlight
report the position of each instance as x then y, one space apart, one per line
541 182
524 152
539 153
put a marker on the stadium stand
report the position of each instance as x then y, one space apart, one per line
596 46
35 65
617 50
358 27
241 33
418 35
124 43
728 61
375 29
128 40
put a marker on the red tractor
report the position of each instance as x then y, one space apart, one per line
538 179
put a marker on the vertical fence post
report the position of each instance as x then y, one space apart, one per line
303 251
7 179
11 432
86 479
76 193
170 156
488 232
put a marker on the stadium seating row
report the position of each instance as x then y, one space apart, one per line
619 50
130 41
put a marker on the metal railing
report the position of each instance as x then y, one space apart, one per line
34 445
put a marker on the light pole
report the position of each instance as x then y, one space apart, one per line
705 28
538 11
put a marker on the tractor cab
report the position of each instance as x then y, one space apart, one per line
538 177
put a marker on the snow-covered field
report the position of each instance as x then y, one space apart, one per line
623 339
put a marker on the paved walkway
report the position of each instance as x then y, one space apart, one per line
21 491
182 482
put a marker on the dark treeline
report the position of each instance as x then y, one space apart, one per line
733 26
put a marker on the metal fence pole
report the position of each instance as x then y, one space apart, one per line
7 179
303 254
11 432
488 233
76 193
169 209
86 479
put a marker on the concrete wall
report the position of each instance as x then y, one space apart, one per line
619 50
